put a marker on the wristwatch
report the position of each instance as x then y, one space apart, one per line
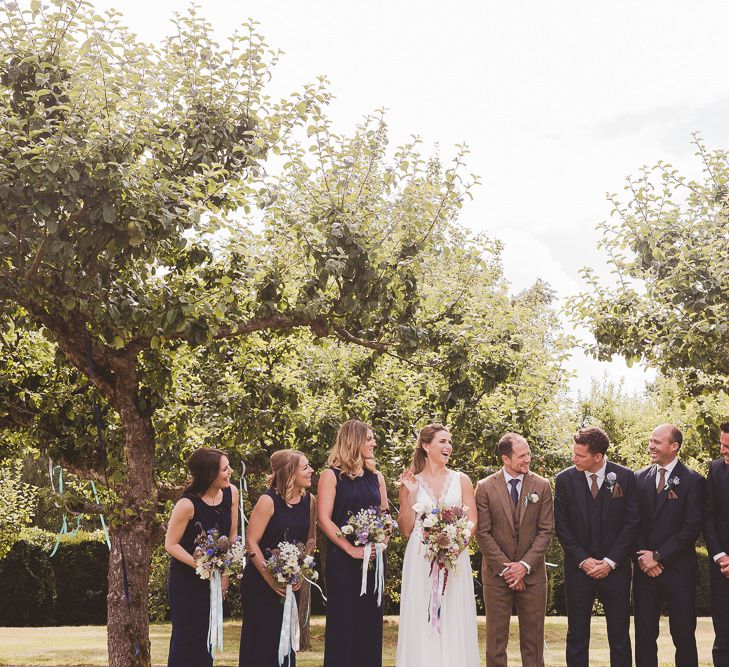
656 557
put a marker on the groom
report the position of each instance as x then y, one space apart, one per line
596 519
515 526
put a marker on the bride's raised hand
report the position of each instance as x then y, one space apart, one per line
408 480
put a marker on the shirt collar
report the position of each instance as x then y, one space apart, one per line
669 467
507 476
600 473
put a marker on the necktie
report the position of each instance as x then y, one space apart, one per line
514 492
661 480
594 488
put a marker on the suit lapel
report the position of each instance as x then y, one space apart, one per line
579 483
527 486
607 493
663 495
505 498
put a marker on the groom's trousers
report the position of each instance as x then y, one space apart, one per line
531 608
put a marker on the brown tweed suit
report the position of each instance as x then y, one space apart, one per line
506 534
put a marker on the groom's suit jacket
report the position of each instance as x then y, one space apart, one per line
507 534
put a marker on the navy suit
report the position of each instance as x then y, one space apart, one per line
716 533
670 523
600 527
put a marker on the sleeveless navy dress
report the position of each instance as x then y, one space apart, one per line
353 634
262 607
188 594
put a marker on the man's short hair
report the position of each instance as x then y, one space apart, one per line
506 444
724 426
594 438
676 435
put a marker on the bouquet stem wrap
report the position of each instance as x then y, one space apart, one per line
290 631
379 570
215 624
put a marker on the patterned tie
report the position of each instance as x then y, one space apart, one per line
661 480
594 488
514 492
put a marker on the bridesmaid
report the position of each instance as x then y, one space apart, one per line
207 502
284 513
354 624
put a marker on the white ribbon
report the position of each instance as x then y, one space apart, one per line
215 623
290 631
379 572
243 486
365 566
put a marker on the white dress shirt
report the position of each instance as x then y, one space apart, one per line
669 469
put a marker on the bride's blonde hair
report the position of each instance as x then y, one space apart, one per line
425 436
284 466
345 454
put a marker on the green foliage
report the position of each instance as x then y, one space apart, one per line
667 245
17 504
27 586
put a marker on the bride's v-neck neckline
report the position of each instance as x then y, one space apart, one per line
443 491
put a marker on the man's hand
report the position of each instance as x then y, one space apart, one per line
723 564
589 564
600 570
514 573
648 564
519 586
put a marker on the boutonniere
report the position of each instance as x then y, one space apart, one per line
671 484
613 485
531 499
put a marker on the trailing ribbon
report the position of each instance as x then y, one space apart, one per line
436 597
101 516
379 572
243 487
290 631
313 583
64 526
215 623
365 567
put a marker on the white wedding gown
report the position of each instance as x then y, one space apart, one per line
418 644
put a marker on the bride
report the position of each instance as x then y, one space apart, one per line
429 482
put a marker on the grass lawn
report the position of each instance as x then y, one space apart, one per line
87 645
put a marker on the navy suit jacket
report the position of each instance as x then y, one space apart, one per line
619 514
670 521
716 514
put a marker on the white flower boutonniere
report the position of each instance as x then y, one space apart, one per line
531 499
611 478
671 483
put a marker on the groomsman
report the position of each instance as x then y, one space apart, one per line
671 498
716 532
515 527
596 519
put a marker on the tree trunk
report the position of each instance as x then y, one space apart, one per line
134 534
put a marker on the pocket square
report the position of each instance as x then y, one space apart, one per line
672 495
617 491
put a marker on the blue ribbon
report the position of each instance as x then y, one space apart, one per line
64 526
215 622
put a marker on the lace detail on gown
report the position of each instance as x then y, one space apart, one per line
417 643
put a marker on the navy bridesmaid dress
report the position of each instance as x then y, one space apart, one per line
262 607
189 595
353 634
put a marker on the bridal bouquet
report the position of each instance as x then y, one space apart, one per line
371 527
216 555
289 564
446 532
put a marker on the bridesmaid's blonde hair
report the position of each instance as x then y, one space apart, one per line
284 466
345 454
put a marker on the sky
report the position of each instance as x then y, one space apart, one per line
557 101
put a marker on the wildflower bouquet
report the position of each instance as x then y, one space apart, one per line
446 532
371 527
217 555
289 564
